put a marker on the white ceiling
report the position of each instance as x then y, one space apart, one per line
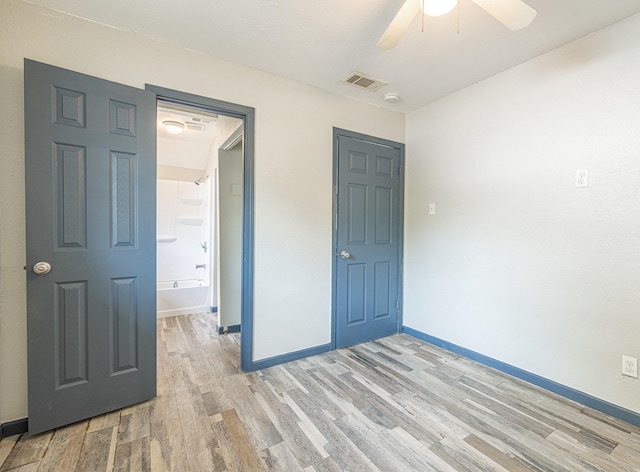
321 42
206 135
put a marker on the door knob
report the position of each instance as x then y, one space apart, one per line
41 268
345 255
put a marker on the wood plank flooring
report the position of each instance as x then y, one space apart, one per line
396 404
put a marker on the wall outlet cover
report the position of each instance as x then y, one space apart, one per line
630 366
582 178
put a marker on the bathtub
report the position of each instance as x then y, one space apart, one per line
181 297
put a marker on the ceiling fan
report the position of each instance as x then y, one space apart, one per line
514 14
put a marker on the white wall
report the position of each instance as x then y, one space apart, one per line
13 327
189 223
188 154
225 127
292 172
229 236
517 264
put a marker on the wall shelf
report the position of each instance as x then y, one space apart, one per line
191 221
192 201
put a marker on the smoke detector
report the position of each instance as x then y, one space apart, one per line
391 97
365 82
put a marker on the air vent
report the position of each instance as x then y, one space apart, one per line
195 126
364 82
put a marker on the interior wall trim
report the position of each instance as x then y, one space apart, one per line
228 329
291 356
585 399
11 428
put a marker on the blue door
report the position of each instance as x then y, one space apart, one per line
368 238
91 259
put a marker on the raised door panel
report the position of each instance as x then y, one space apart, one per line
383 216
356 293
70 196
123 180
124 325
70 333
382 289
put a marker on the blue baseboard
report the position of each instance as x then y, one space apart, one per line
14 427
292 356
213 309
228 329
562 390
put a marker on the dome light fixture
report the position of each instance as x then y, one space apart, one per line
173 127
437 7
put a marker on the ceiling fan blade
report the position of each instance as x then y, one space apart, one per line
514 14
399 25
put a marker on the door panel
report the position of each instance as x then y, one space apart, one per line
90 208
382 293
356 293
357 214
369 210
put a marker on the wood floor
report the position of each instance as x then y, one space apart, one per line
397 404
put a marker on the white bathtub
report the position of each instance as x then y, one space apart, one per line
181 297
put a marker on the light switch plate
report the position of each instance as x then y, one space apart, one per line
432 208
236 189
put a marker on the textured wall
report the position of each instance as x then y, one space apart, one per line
13 325
518 264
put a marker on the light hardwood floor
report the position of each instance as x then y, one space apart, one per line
396 404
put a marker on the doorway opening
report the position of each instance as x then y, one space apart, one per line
205 211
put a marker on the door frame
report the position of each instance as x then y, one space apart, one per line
247 115
337 133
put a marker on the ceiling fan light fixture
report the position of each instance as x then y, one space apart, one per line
173 127
437 7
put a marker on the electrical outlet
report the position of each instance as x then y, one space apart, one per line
630 366
582 178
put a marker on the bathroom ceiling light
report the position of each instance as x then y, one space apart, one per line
173 127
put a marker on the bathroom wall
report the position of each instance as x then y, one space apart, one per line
183 222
